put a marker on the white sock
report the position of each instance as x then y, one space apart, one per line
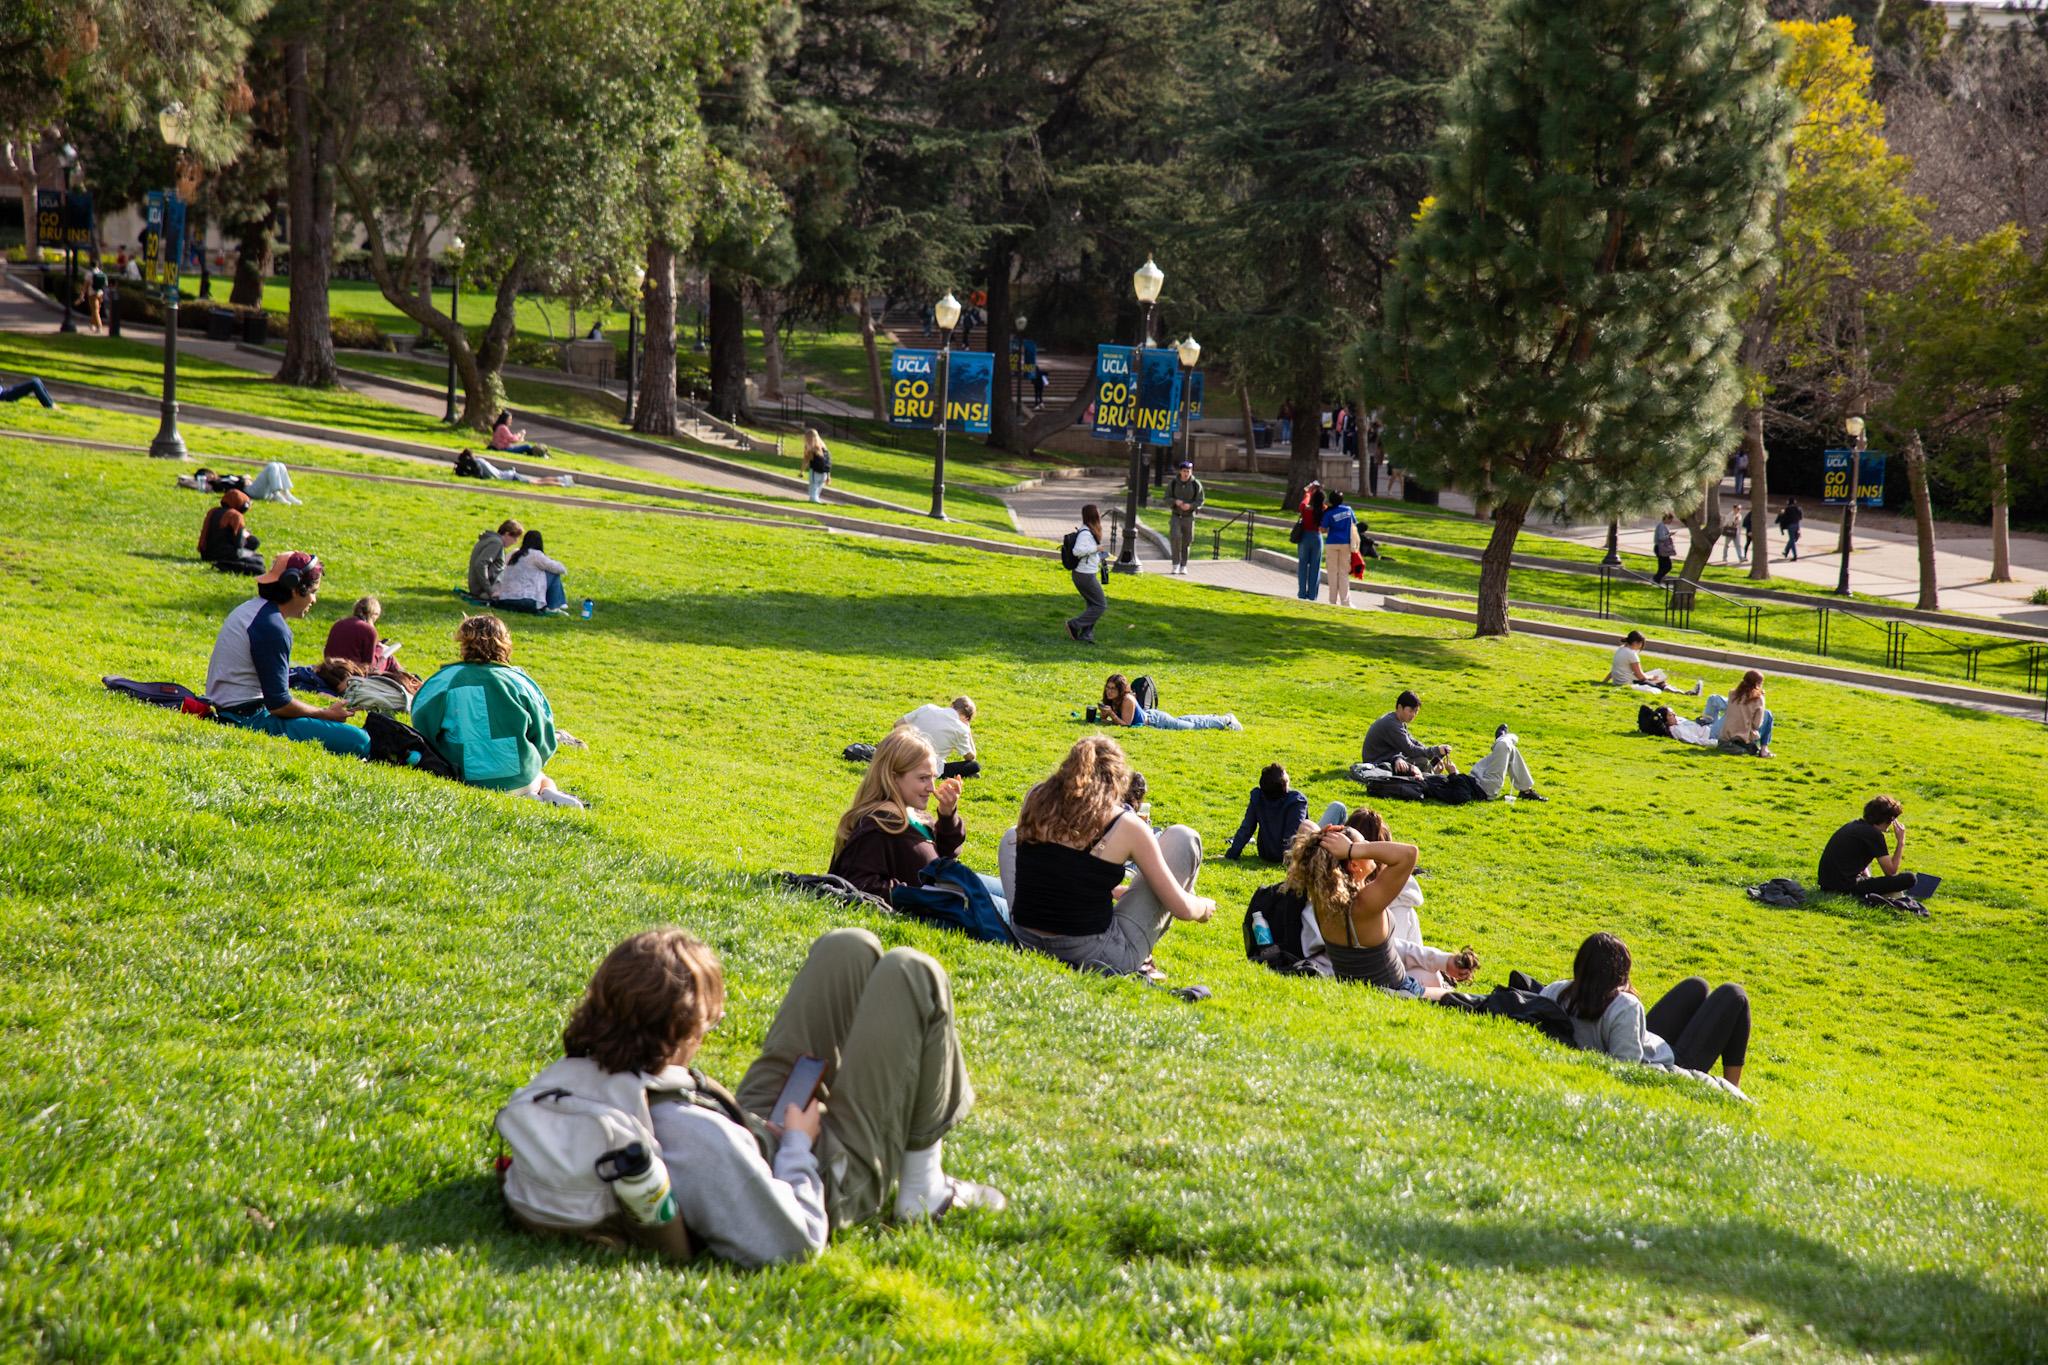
922 1188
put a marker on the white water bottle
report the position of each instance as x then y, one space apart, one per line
640 1184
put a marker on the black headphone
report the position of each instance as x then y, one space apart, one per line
298 579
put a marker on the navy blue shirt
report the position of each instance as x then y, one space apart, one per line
1275 819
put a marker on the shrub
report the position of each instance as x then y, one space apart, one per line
534 351
356 334
2040 597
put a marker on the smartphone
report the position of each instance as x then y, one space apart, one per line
800 1088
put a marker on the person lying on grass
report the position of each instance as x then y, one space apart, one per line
488 719
1627 669
1687 1030
758 1188
1350 883
1120 707
248 677
1429 966
469 465
1063 868
1390 744
886 837
1753 724
1274 811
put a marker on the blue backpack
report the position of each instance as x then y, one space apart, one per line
951 894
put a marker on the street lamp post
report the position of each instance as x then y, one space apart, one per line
633 335
945 312
176 126
454 316
67 158
1190 353
1146 281
1854 428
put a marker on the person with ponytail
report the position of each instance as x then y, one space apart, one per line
1741 721
886 837
1063 867
1687 1030
1089 549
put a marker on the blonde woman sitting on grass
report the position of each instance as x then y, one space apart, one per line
887 836
1351 883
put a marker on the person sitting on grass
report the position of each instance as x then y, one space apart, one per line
1063 868
951 733
1120 707
1627 669
887 836
511 442
1429 966
532 581
354 638
487 558
1274 811
488 719
224 539
757 1188
1687 1030
1350 883
1845 861
248 677
1389 739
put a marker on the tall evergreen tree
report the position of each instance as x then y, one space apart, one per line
1561 325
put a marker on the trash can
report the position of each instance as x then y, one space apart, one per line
256 327
220 324
1414 490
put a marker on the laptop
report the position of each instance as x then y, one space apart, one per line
1923 885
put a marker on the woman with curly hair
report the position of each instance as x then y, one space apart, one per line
1351 883
1063 867
755 1187
488 719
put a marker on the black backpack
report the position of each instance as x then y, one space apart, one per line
1524 1006
1068 559
1282 909
1145 692
395 742
1650 720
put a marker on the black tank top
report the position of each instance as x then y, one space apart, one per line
1063 890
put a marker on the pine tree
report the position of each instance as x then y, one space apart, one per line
1560 329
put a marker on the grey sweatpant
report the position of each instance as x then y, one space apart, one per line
1181 533
1093 604
894 1075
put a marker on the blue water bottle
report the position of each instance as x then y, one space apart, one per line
589 606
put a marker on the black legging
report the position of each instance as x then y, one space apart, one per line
1700 1025
1885 886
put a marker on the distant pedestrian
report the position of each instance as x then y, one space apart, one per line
1788 522
817 463
1741 470
1665 547
1088 549
1340 537
1731 534
1748 534
1308 542
1038 385
1184 496
1287 422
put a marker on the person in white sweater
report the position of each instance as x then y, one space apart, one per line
757 1188
1688 1030
532 581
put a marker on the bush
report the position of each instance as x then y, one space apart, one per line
357 334
2040 597
533 351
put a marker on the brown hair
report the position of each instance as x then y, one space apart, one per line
1091 517
649 1004
509 527
484 640
367 609
1882 810
965 707
1077 802
1371 824
1122 686
1751 686
902 751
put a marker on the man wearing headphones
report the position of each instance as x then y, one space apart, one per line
248 679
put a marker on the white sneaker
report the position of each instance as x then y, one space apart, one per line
966 1194
1235 723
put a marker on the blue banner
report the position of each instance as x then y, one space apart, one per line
1195 396
174 239
913 389
1834 479
1158 397
1114 392
969 378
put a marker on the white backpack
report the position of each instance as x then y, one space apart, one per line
559 1125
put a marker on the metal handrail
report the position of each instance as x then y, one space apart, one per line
1251 523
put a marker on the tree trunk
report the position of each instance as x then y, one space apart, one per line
1704 532
1923 520
769 308
1494 566
1244 414
876 403
728 340
21 169
1304 456
657 412
308 341
1759 493
2001 543
483 391
1002 320
1052 421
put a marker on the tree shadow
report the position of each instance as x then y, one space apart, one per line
1863 1304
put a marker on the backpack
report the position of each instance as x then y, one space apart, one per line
175 696
1145 692
1524 1006
1282 910
1650 720
1451 789
1902 902
1779 891
831 887
858 753
1069 560
393 741
1396 788
951 894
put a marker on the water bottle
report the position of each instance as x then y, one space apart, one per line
641 1184
1262 932
589 606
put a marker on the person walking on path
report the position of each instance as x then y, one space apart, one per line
1286 421
1088 550
1185 496
1665 547
1788 522
1731 534
1741 471
1340 537
817 463
1308 543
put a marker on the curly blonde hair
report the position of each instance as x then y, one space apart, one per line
1327 881
484 640
1077 802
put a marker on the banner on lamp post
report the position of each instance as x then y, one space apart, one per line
1834 482
1115 390
1158 397
914 389
1195 396
970 378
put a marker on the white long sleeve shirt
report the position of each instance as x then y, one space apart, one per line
526 580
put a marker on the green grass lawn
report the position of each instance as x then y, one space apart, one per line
261 1003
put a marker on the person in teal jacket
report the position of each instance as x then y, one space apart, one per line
488 719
